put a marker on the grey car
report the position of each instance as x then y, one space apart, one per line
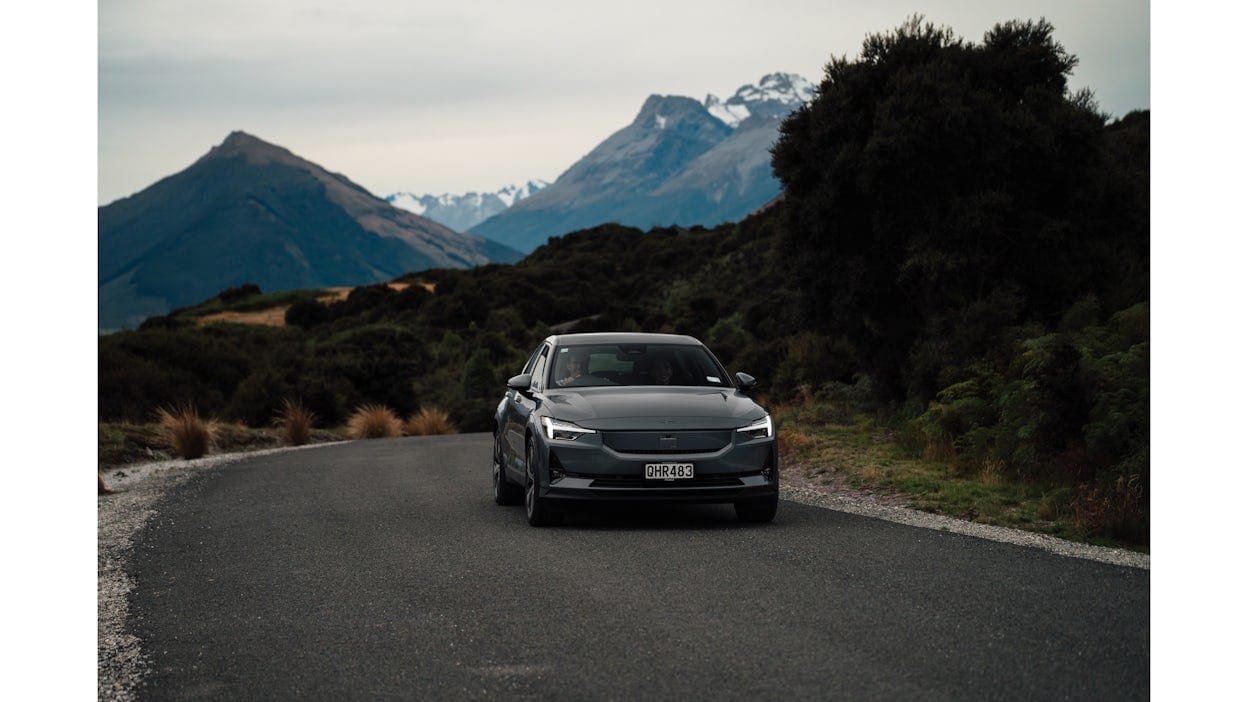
623 417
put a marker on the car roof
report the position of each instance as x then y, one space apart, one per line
622 338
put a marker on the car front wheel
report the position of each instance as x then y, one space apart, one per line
535 509
505 491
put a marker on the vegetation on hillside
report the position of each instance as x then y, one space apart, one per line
961 254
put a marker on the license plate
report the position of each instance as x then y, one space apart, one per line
669 471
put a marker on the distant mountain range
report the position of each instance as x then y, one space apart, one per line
462 212
251 212
680 162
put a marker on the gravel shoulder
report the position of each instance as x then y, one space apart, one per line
138 488
837 495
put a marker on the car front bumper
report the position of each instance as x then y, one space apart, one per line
593 471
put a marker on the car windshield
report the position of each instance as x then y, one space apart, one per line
636 364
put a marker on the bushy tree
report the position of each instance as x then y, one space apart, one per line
931 174
307 314
479 379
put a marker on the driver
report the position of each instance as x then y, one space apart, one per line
662 371
574 368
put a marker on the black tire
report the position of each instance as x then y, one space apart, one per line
760 510
505 491
535 509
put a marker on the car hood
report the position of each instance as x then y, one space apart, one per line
651 408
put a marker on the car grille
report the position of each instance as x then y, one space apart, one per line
665 452
653 443
636 482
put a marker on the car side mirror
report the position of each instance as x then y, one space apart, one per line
745 381
520 382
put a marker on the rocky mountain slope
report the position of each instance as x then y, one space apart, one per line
252 212
679 162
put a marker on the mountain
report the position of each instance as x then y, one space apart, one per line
776 95
252 212
462 212
679 162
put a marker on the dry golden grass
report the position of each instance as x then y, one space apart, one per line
276 316
940 450
1117 510
190 435
430 420
335 294
271 317
295 422
992 472
792 442
374 422
338 294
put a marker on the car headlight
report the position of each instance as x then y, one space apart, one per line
762 429
563 431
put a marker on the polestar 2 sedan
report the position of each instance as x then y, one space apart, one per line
625 417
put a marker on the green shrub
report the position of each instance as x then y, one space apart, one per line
479 380
259 397
241 292
307 314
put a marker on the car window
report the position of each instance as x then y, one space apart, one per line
528 367
539 369
637 364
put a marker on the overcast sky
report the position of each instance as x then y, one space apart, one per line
458 96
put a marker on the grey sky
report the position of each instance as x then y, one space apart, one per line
450 97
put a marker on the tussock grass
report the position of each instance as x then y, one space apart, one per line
189 434
295 423
374 422
430 420
1117 509
940 450
792 442
992 472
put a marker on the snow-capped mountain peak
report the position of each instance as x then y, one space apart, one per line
729 114
786 88
461 212
512 194
775 93
408 201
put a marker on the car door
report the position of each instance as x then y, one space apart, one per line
520 405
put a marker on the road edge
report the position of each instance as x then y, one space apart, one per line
120 664
926 520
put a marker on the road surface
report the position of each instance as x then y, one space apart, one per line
383 569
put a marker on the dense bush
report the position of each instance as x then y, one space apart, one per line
307 314
242 292
935 182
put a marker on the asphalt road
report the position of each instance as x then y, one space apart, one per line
383 569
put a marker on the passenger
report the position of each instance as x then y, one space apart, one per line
661 371
573 369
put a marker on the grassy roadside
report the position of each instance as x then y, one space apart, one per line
829 449
122 444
